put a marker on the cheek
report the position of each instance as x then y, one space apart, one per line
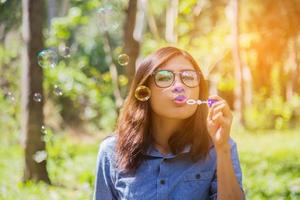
158 100
194 93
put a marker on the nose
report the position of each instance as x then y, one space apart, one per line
178 89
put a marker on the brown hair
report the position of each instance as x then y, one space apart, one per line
134 123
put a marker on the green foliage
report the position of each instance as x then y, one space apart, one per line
273 113
71 167
11 14
226 84
87 68
270 164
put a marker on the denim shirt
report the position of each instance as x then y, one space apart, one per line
160 177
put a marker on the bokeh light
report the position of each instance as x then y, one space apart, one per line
40 156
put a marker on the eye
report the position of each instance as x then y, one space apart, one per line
189 75
163 76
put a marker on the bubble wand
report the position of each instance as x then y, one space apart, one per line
209 102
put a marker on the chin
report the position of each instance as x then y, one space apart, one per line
179 115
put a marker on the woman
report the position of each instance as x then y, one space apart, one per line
164 148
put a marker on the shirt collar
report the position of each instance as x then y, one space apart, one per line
152 151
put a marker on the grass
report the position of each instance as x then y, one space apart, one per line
270 163
71 167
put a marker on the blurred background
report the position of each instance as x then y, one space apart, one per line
66 67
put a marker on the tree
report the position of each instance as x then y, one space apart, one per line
240 88
171 18
131 44
32 79
9 21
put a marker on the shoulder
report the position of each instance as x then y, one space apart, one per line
232 143
107 146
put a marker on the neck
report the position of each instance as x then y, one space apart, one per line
162 129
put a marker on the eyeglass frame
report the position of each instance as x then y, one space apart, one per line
198 73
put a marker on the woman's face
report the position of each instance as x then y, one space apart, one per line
169 101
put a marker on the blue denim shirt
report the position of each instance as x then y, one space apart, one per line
160 177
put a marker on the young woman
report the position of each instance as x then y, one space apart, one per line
164 148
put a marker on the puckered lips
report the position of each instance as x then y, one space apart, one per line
180 100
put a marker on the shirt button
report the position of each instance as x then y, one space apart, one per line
162 181
198 176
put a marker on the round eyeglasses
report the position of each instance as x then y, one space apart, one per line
166 78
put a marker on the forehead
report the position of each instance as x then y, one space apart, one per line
177 63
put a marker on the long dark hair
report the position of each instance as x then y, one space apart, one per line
133 128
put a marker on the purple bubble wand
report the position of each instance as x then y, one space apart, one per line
209 102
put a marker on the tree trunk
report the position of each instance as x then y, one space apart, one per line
131 44
113 70
32 79
171 18
152 24
296 72
240 88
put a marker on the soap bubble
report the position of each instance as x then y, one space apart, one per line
43 130
47 58
10 97
57 90
37 97
108 18
64 51
46 135
142 93
40 156
123 59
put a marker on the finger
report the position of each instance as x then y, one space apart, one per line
227 111
224 108
211 109
218 108
216 97
217 104
216 117
213 99
210 113
220 120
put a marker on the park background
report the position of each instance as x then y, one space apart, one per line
66 67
